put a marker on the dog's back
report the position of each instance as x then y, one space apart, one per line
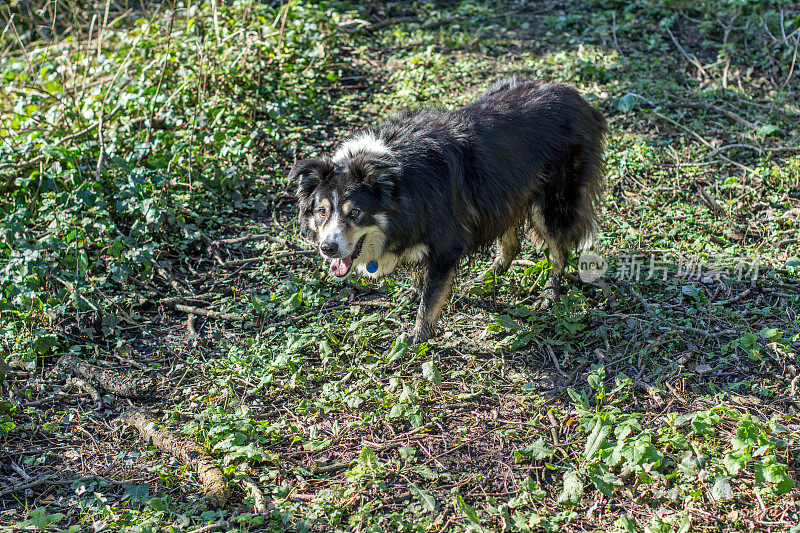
538 152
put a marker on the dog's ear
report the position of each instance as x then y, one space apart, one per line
309 173
374 169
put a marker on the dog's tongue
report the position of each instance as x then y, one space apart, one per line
341 266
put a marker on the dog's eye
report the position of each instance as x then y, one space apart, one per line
354 213
322 211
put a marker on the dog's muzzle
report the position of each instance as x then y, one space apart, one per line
340 266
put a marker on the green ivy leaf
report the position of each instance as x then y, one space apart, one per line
722 488
537 450
625 103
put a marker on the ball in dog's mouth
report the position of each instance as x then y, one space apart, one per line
340 266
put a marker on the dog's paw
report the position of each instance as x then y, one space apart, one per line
408 295
544 301
416 338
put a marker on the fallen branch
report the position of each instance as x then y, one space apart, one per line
712 202
389 22
215 487
185 300
109 380
735 299
88 388
24 486
209 313
702 140
257 237
636 294
260 503
212 527
164 273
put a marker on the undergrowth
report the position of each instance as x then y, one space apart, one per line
139 142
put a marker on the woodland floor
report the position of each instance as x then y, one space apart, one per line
660 399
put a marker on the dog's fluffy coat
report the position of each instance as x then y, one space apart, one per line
429 186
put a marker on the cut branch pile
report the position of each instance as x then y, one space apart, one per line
114 382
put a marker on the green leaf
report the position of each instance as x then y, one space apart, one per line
407 452
573 488
467 509
425 498
625 103
136 492
735 462
602 478
766 129
40 519
596 438
626 524
771 471
431 373
537 450
522 339
426 472
506 322
722 488
368 460
398 349
317 445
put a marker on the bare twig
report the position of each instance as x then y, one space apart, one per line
702 140
212 527
636 294
258 237
691 60
744 294
794 61
552 355
164 273
712 202
614 32
734 117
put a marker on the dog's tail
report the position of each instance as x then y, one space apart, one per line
592 172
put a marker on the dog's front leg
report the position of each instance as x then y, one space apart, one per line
435 292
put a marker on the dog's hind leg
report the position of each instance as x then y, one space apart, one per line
507 249
436 292
552 287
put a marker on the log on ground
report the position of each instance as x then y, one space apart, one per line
215 487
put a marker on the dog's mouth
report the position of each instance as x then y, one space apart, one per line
340 266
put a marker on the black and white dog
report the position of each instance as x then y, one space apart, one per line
429 186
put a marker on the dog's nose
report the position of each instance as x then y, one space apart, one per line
329 248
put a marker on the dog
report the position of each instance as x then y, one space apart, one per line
429 186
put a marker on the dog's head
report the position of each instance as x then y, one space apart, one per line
344 206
